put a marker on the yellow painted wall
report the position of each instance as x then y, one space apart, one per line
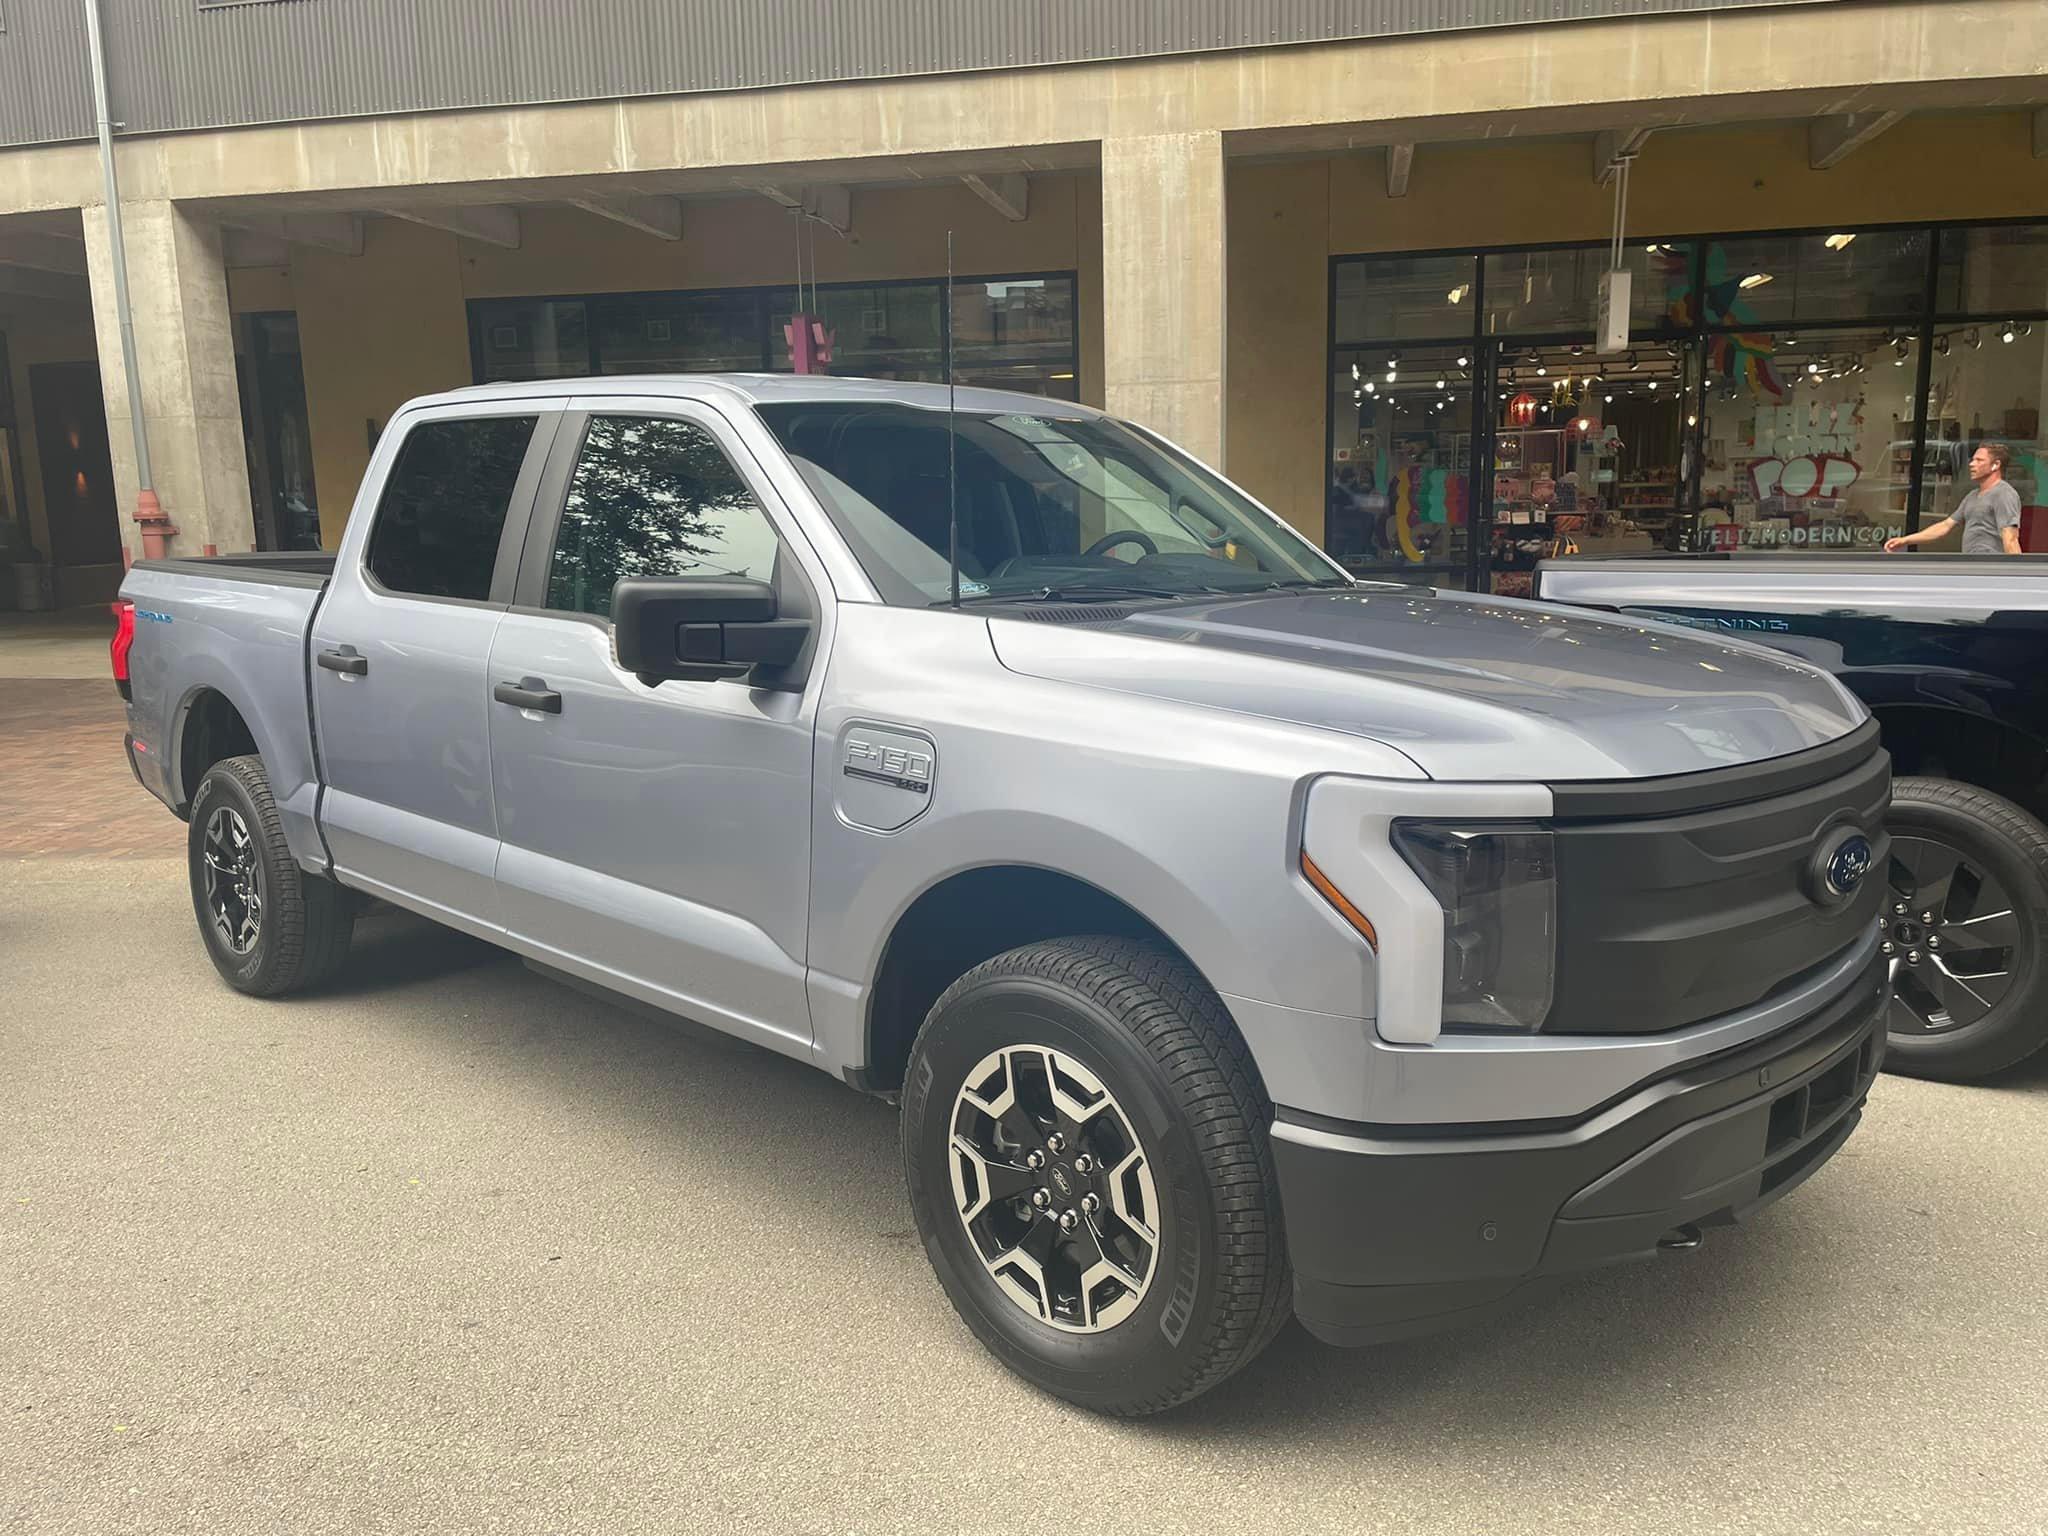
377 329
39 333
1499 192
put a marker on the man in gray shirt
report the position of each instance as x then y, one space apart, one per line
1990 514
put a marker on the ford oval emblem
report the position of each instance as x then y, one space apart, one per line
1840 865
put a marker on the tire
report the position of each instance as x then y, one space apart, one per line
298 932
1993 969
1138 1024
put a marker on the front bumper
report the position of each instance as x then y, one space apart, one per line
1396 1234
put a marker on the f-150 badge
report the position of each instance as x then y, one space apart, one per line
886 777
894 763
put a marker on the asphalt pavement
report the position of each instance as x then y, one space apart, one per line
450 1248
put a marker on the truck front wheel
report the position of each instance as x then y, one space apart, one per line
1085 1141
1966 928
270 928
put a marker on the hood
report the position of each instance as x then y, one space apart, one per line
1469 687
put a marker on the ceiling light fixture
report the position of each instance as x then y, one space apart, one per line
1610 399
1464 361
1457 294
1838 242
2008 333
1755 280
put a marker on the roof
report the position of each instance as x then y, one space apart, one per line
773 388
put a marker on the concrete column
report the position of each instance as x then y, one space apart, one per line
1163 262
185 352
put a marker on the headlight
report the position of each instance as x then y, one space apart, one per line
1497 885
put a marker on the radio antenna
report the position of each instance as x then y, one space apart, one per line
952 436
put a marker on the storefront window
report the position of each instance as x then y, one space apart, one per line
532 339
1983 387
679 332
1008 333
1016 334
1806 441
1400 489
1996 270
1395 298
1846 275
883 331
1559 290
1588 455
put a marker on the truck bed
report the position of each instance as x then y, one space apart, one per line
213 628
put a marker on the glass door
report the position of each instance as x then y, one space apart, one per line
1400 490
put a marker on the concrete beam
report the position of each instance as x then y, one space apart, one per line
488 224
1611 147
2041 133
1009 195
830 205
1400 161
1831 140
661 217
45 253
29 283
341 232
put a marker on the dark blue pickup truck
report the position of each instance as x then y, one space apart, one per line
1951 654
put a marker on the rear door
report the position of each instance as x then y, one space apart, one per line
400 647
657 839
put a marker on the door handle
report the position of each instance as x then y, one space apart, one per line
529 693
344 660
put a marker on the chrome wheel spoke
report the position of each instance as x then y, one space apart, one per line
1053 1188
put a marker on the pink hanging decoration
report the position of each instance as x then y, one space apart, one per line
810 344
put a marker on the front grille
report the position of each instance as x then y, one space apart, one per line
1666 921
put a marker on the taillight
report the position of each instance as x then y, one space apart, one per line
123 642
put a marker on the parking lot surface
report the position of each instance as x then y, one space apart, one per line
449 1248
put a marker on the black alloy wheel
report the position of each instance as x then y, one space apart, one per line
233 880
269 926
1965 931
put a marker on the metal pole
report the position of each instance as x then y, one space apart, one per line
156 527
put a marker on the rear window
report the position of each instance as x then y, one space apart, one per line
443 509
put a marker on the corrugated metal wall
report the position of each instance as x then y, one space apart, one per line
181 64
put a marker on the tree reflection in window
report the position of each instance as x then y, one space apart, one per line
653 496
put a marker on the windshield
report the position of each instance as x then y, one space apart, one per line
1048 507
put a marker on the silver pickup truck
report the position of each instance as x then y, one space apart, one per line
1239 939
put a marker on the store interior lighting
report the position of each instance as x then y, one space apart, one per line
1838 242
1755 280
2008 333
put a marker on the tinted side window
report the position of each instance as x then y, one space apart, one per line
653 497
444 506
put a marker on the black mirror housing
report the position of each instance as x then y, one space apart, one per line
701 629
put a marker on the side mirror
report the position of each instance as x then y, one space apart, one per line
699 629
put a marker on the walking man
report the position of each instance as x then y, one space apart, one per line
1990 514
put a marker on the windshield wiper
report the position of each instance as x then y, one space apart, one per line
1072 594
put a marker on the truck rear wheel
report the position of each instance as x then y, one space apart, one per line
1967 927
1085 1141
270 928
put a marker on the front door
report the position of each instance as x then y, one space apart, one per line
656 840
400 649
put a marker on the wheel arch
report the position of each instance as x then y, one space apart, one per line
207 727
970 915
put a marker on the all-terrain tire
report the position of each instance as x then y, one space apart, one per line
1157 1039
2003 841
301 933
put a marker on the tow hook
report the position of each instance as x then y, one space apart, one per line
1680 1239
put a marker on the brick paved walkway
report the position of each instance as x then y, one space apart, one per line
65 788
